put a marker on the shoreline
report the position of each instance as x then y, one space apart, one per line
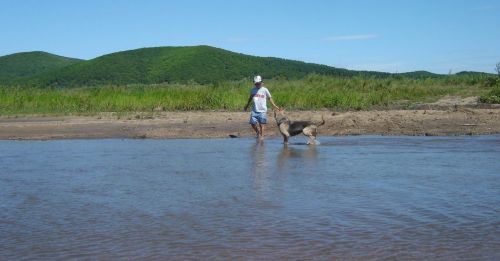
196 124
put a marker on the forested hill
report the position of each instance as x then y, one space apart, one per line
200 64
24 65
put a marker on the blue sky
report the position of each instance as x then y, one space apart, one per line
380 35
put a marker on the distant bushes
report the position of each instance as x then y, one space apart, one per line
492 96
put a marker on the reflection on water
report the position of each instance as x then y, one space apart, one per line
307 155
260 168
362 198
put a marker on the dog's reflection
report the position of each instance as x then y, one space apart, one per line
306 154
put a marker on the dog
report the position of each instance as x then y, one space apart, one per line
289 128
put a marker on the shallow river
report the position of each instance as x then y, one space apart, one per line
361 197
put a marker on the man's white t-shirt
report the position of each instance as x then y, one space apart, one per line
260 96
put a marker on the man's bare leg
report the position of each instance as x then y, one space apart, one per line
254 127
261 126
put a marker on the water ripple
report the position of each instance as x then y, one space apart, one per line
350 198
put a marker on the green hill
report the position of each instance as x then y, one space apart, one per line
19 66
469 73
201 64
419 74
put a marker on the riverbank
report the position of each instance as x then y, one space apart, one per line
451 121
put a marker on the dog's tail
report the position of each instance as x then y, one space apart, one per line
322 121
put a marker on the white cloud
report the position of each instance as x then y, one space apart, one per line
353 37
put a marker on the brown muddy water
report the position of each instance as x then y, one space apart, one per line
350 198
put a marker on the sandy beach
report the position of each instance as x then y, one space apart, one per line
451 121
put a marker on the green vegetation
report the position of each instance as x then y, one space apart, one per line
493 96
199 64
194 64
208 78
19 67
311 92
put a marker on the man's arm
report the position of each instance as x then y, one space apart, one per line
274 105
248 102
271 100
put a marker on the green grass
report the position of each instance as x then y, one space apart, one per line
492 96
311 92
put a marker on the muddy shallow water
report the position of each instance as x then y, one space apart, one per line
360 197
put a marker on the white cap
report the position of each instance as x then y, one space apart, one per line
257 79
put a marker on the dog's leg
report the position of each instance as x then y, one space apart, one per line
310 132
284 131
313 140
314 135
285 139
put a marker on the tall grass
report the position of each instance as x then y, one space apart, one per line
311 92
361 92
492 96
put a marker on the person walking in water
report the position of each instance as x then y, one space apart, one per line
259 94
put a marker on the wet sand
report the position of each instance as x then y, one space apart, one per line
450 121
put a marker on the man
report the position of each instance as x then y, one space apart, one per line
259 95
